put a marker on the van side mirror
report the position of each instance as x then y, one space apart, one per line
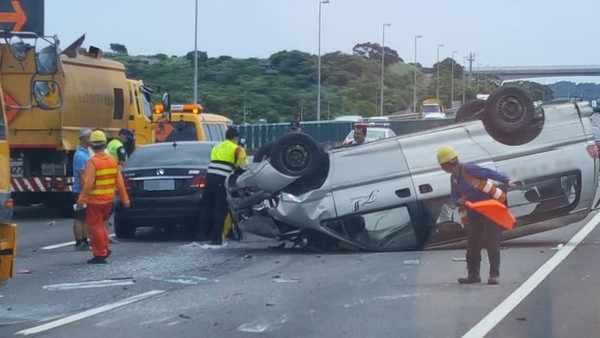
166 102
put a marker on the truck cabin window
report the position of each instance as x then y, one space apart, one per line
46 58
18 48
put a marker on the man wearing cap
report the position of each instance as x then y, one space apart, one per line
81 157
102 176
116 148
470 182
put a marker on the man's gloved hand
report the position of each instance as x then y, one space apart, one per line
515 183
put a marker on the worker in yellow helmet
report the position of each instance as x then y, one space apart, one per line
101 177
470 182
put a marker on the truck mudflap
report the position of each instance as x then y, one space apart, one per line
41 184
6 207
8 250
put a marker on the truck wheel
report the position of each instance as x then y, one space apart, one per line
124 229
470 111
296 154
509 110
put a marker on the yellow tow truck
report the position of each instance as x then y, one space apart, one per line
188 122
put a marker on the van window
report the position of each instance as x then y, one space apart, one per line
207 136
215 132
119 104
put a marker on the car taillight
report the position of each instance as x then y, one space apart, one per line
593 150
127 183
199 181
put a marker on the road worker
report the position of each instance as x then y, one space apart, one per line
360 134
472 183
101 177
225 157
80 158
117 147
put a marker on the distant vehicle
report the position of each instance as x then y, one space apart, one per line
349 118
433 116
165 182
432 106
188 122
393 195
378 119
374 132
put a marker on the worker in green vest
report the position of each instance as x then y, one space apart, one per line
116 148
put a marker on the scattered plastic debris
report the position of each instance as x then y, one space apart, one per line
522 319
213 247
459 259
51 223
90 284
253 328
395 297
558 247
24 271
261 325
283 280
184 316
411 262
187 280
269 304
247 256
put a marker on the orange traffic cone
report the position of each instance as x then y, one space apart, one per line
495 211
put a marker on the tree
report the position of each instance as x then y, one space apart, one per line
372 51
537 91
202 57
118 48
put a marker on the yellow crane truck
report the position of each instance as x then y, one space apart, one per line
49 96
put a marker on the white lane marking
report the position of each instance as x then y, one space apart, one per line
503 309
88 285
60 245
88 313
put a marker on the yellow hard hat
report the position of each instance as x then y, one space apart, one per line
98 136
446 154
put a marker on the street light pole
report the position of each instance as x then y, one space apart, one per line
437 90
382 66
321 2
196 56
415 79
464 80
452 81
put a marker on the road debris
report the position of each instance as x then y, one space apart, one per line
277 279
263 325
247 256
184 316
411 262
558 247
51 223
522 319
90 284
24 271
459 259
186 280
395 297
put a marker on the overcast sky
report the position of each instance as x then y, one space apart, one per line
502 33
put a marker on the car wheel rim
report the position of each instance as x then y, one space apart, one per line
511 109
296 157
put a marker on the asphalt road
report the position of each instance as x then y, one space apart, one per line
156 287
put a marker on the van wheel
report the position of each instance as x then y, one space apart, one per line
509 110
470 111
124 229
296 154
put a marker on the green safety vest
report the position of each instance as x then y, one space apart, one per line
113 148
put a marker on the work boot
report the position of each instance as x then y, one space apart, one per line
82 247
108 254
469 280
493 280
97 260
113 240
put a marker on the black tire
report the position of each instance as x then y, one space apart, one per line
263 152
296 154
124 229
509 110
470 111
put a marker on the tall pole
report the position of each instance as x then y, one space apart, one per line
452 81
437 90
321 2
471 58
196 56
415 79
382 67
464 80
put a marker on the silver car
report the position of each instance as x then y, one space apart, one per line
392 195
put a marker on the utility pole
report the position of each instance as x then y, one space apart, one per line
196 57
415 77
471 58
452 80
321 2
437 89
244 107
382 66
464 80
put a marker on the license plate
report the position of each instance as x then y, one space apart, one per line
158 185
16 168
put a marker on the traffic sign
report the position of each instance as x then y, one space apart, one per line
22 16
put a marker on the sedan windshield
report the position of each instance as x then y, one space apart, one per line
171 154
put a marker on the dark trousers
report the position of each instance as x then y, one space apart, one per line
214 207
483 233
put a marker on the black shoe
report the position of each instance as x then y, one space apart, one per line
97 260
493 281
470 280
107 254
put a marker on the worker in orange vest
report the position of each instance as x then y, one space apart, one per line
472 183
101 176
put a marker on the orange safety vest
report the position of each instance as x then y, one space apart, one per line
107 170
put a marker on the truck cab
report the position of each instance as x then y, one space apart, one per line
188 122
432 108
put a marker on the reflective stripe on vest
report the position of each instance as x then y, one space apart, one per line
106 177
222 158
487 186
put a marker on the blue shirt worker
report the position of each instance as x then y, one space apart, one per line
470 182
81 157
